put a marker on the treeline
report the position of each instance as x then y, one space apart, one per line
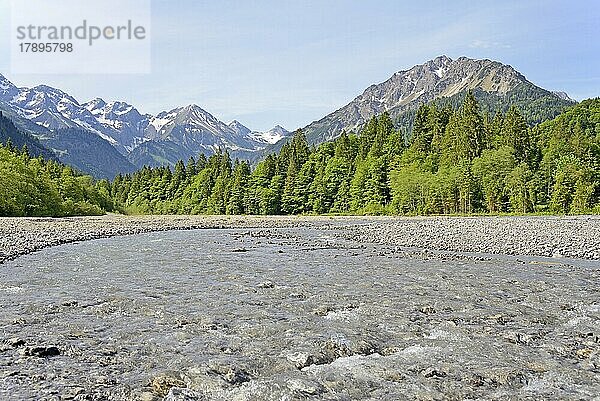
455 160
37 187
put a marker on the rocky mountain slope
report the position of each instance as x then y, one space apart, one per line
441 78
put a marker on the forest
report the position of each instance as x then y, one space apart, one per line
33 186
455 160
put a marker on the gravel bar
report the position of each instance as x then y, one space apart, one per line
547 236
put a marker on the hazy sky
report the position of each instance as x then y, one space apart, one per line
292 62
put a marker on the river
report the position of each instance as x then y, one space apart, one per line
286 314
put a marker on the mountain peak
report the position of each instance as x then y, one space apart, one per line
53 93
442 59
120 108
95 104
46 88
194 107
278 129
272 136
441 77
7 89
439 61
239 128
563 96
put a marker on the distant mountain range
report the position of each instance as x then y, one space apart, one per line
63 125
54 118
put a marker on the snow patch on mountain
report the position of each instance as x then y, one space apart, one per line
271 136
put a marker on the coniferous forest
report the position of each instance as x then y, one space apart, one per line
454 161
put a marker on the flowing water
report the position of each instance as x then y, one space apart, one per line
286 314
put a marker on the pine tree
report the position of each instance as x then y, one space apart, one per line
191 169
422 132
472 136
239 187
515 133
288 197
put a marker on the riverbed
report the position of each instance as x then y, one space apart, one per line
298 312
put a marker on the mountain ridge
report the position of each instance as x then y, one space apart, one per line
435 79
188 130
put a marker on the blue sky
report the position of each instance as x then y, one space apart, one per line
291 62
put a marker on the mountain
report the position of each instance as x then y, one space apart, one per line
54 109
142 138
121 121
56 126
494 84
271 136
87 152
239 128
196 129
563 95
188 131
18 138
7 89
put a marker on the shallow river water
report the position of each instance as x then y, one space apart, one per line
292 314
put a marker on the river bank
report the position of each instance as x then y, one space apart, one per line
548 236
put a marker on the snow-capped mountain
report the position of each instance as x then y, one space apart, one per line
239 128
168 136
7 89
271 136
64 128
188 131
196 129
123 119
54 109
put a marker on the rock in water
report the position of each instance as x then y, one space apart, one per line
14 342
267 284
41 352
